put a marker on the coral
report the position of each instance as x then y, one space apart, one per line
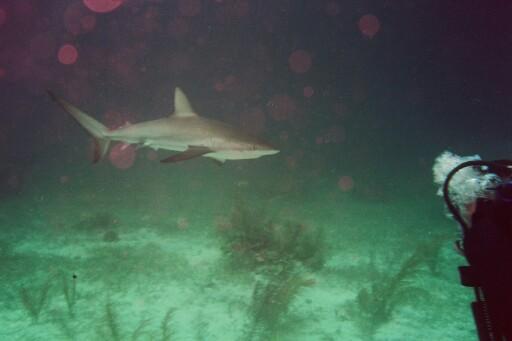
254 240
112 323
34 299
110 328
165 326
271 300
110 236
278 252
102 221
69 291
375 305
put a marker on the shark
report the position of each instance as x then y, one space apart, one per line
182 131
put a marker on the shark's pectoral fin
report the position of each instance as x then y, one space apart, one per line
190 153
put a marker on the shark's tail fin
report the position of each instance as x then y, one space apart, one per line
95 128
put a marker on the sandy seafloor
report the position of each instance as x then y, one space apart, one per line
169 256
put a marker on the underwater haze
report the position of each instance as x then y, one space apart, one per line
338 236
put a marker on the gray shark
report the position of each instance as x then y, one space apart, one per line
183 131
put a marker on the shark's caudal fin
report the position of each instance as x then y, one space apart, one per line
95 128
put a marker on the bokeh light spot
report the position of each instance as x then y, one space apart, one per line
3 16
308 91
300 61
122 155
346 183
178 27
114 120
369 25
43 45
67 54
189 8
281 107
241 8
332 8
88 22
219 86
2 72
102 6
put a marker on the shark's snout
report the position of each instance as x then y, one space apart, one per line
266 148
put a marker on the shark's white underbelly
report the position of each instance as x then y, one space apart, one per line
233 155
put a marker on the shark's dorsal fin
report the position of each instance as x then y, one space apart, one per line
182 107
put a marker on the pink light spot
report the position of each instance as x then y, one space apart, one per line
73 16
308 91
114 120
122 155
369 25
178 27
102 6
218 86
346 183
3 16
2 72
281 107
229 80
43 45
122 64
300 61
67 54
241 8
150 20
88 22
23 8
332 8
189 8
340 109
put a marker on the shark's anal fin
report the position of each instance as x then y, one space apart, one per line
96 156
190 153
